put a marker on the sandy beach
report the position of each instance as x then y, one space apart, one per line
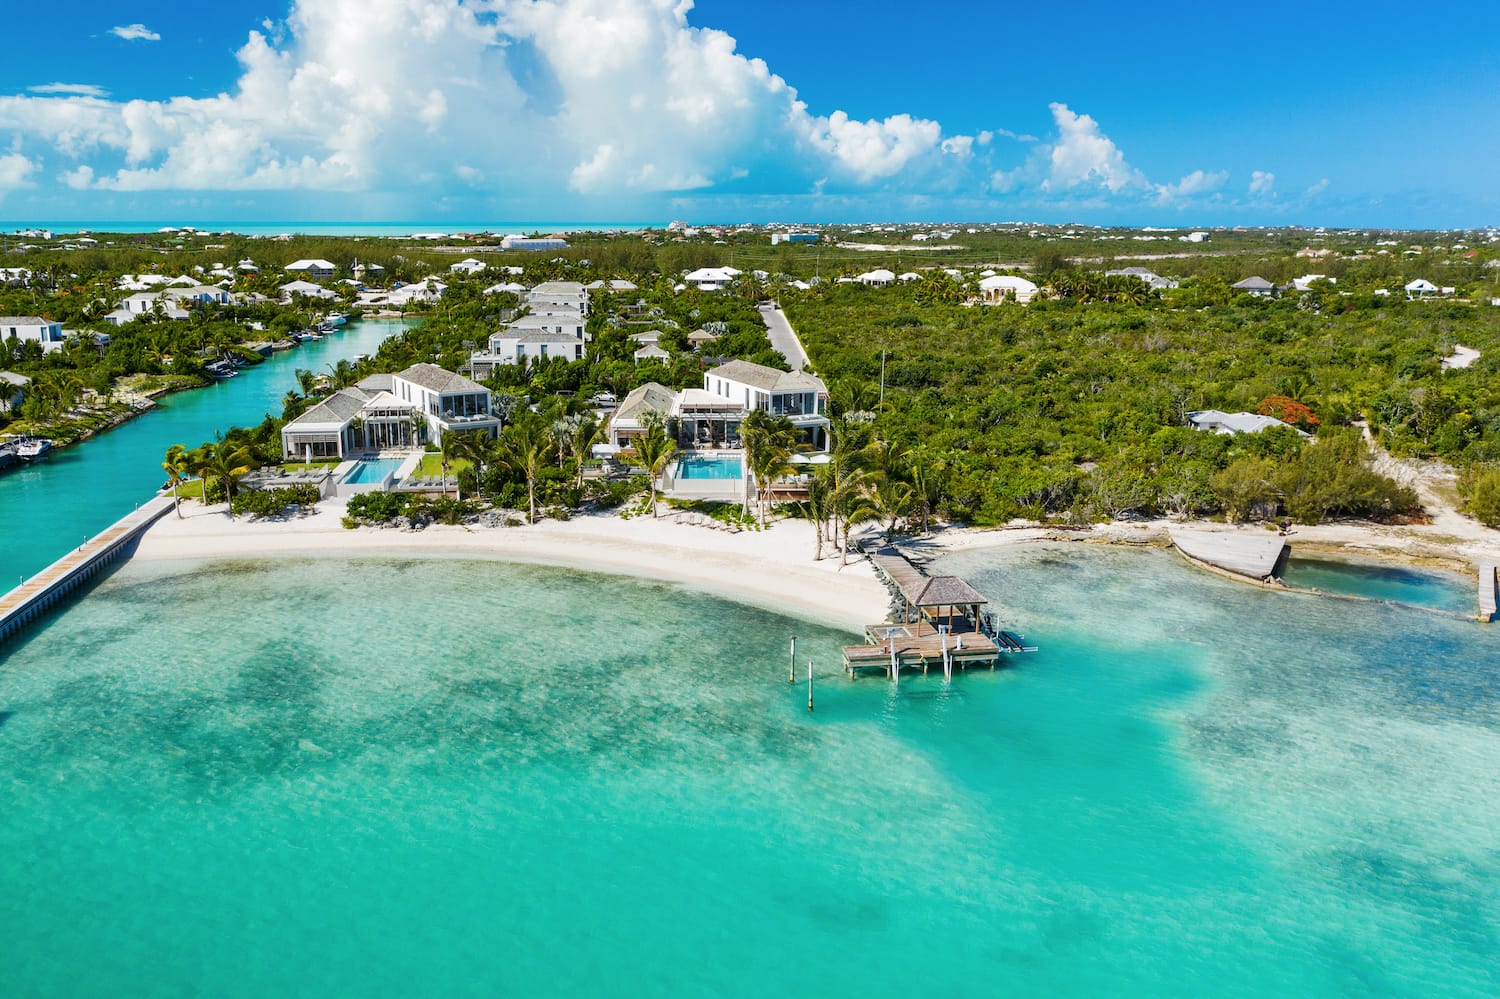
773 568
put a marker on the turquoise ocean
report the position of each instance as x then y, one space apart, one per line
453 777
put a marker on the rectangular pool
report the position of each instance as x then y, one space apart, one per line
372 471
710 466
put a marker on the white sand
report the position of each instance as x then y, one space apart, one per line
772 568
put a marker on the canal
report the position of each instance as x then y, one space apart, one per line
50 507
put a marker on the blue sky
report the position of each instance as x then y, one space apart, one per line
632 110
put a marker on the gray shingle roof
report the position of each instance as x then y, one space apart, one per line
945 591
769 379
343 405
650 397
437 379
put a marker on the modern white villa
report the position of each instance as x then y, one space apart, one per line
710 416
555 326
398 411
1234 423
43 331
311 268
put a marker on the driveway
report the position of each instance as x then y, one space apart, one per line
783 337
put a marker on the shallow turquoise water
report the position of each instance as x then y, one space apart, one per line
338 777
47 509
1373 580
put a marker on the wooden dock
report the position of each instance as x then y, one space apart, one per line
1258 556
35 596
943 624
1487 591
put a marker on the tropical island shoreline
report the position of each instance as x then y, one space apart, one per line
773 569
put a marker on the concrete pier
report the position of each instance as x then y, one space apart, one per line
35 596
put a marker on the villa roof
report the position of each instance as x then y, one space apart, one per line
437 379
650 397
702 336
946 591
651 350
1253 283
571 288
769 379
385 400
339 408
11 378
377 383
24 321
546 336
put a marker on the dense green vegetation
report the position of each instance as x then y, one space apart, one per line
1066 409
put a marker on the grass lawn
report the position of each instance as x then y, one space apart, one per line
308 466
432 466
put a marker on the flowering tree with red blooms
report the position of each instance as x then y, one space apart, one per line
1288 410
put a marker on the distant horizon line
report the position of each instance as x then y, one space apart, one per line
351 228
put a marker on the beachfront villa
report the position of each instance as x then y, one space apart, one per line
390 412
710 416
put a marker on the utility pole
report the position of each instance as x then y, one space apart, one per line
882 378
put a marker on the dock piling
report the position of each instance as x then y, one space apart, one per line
809 685
791 670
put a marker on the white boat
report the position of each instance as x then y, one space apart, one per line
33 448
335 319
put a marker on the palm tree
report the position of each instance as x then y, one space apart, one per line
851 505
891 500
447 447
307 381
478 448
177 464
654 449
525 447
848 458
586 432
225 462
343 374
769 441
818 506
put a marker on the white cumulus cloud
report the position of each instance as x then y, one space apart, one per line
69 89
135 33
1085 155
536 101
1195 183
15 172
1262 182
1317 188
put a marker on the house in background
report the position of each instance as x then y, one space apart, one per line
1154 281
533 244
12 390
33 328
878 278
305 289
1006 288
1255 285
710 278
311 268
468 266
1217 422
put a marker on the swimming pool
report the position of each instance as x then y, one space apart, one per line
372 471
710 466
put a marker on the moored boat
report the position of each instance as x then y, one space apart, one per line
32 448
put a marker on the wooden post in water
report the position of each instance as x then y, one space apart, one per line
809 685
791 670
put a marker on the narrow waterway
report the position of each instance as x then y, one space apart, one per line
50 507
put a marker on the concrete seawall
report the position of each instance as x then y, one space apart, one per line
34 597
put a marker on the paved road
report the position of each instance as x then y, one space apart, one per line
783 337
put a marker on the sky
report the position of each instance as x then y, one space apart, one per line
1175 114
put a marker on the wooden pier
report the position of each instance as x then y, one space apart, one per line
1487 591
943 624
35 596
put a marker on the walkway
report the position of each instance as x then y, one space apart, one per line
783 337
